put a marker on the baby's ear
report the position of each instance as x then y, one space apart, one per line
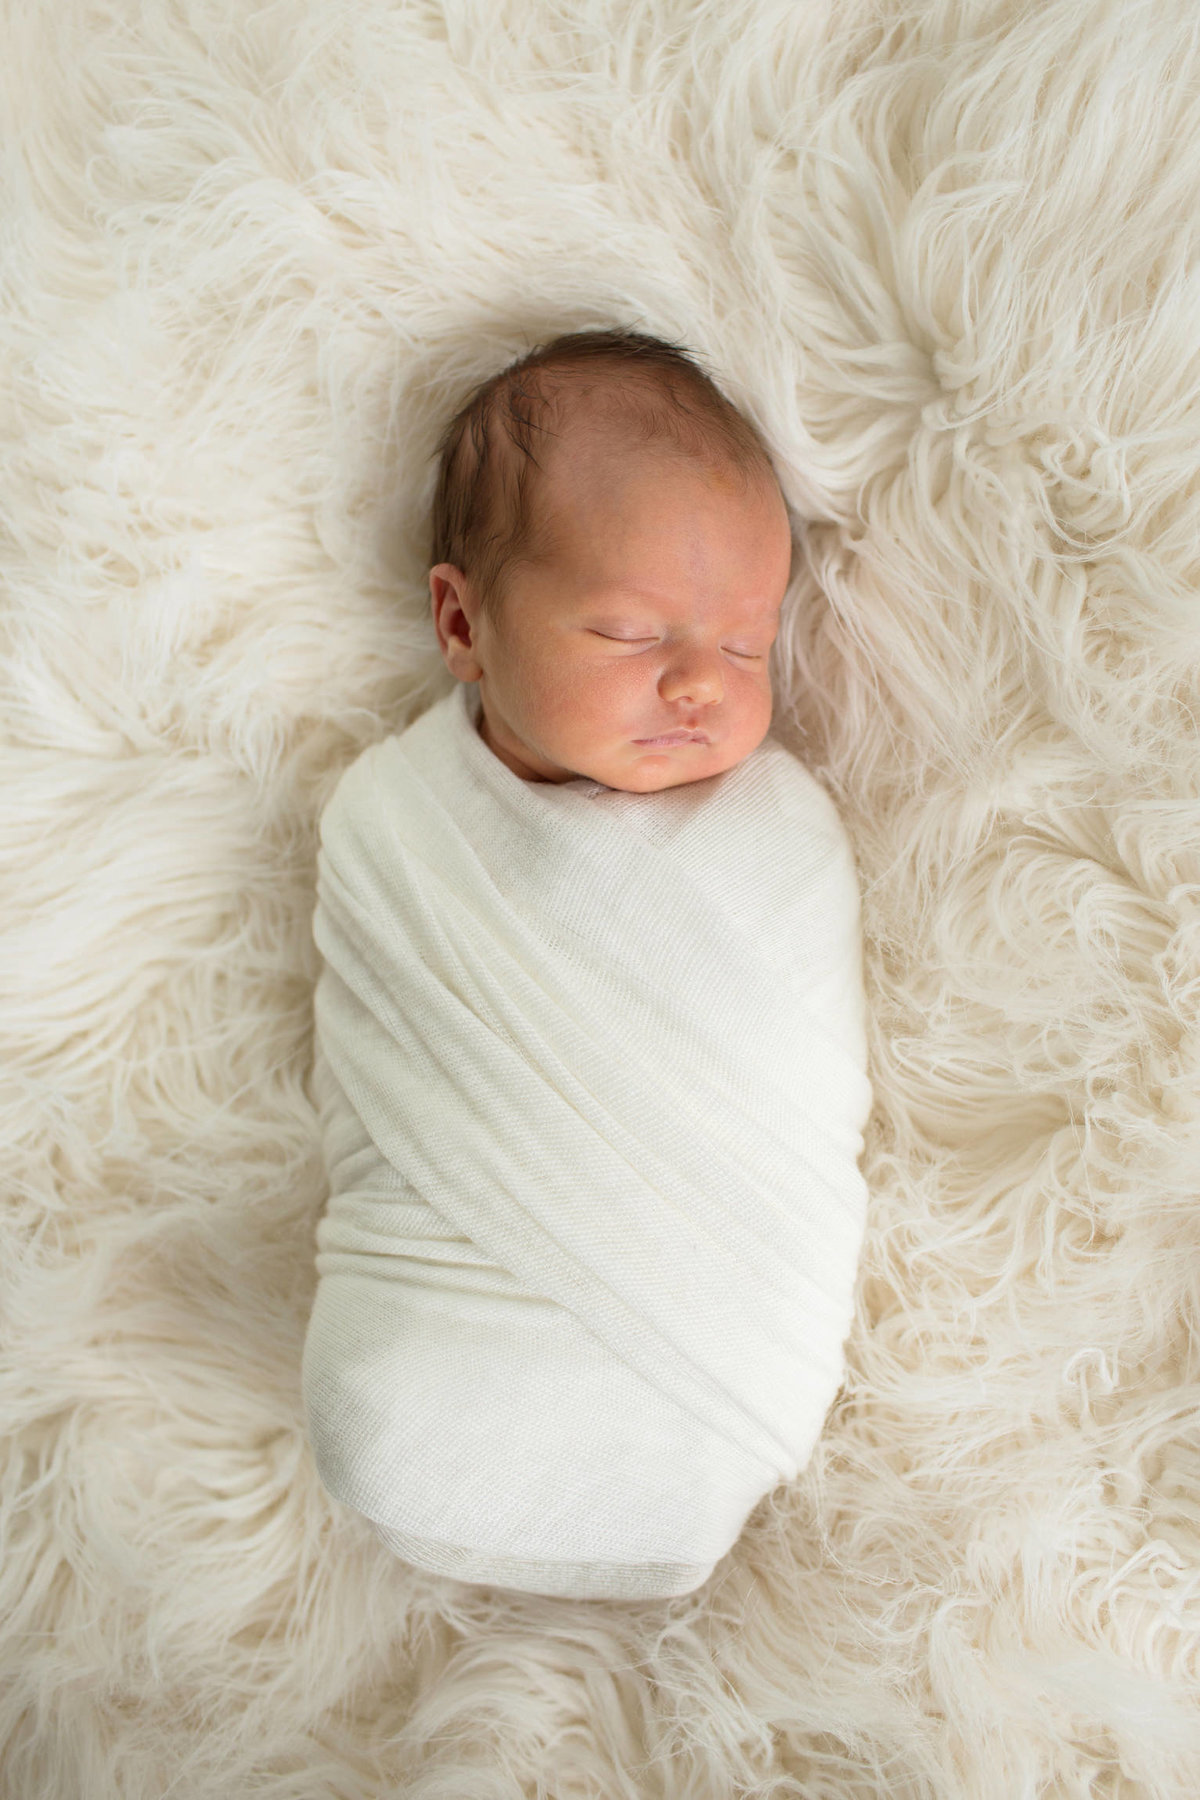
441 577
452 621
445 595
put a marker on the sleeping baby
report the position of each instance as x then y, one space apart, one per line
590 1036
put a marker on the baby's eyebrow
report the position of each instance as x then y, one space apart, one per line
639 605
639 615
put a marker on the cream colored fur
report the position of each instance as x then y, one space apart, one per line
946 257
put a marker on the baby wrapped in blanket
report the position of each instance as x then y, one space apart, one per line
590 1027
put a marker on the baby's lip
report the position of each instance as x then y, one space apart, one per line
675 737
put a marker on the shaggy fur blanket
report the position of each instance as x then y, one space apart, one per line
944 253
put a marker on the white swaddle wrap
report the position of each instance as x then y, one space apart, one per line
591 1068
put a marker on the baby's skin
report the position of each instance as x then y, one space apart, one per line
655 614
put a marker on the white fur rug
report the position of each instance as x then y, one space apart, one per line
945 254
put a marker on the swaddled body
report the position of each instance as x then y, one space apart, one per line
591 1068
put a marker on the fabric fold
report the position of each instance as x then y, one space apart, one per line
591 1072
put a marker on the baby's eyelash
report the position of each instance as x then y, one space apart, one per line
750 655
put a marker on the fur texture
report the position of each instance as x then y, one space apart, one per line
944 254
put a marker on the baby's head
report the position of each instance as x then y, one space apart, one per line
610 549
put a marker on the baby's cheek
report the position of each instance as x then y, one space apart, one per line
550 695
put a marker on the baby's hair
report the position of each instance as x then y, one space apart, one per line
484 520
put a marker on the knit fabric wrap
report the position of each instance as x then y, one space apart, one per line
591 1070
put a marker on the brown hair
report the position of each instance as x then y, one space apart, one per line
484 521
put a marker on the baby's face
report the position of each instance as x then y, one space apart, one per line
656 614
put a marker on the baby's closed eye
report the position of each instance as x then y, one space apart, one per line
750 655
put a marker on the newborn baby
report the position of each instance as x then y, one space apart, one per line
590 1030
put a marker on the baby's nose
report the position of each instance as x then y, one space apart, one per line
693 676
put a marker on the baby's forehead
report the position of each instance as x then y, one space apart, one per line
595 433
622 410
591 424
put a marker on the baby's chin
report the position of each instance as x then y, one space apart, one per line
650 786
